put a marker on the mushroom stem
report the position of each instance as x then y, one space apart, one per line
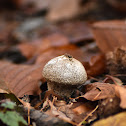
61 89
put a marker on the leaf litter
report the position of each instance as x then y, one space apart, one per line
103 94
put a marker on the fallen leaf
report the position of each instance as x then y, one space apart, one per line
115 80
118 5
76 31
60 10
6 29
96 91
116 120
116 61
109 35
54 52
21 79
73 112
96 65
43 119
80 107
90 114
55 112
37 47
53 40
3 86
3 91
121 93
108 106
27 49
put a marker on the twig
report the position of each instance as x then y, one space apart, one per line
87 116
28 116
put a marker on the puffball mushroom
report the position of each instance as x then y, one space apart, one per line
63 74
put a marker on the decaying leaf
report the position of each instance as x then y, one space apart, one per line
96 65
60 10
76 31
55 112
108 106
4 86
90 114
83 112
42 119
116 61
109 35
115 80
21 79
80 107
53 40
118 5
39 46
27 49
121 93
3 91
96 91
6 29
72 113
116 120
54 52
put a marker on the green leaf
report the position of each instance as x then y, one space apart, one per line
12 118
8 104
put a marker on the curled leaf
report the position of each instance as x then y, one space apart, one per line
121 93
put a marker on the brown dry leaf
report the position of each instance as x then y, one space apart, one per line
60 9
118 5
37 47
54 52
53 40
96 65
3 86
82 111
116 80
74 112
57 113
116 61
42 119
116 120
108 106
3 91
76 31
21 79
121 93
80 108
96 91
27 49
6 28
110 35
90 114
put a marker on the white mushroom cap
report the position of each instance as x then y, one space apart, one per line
66 70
